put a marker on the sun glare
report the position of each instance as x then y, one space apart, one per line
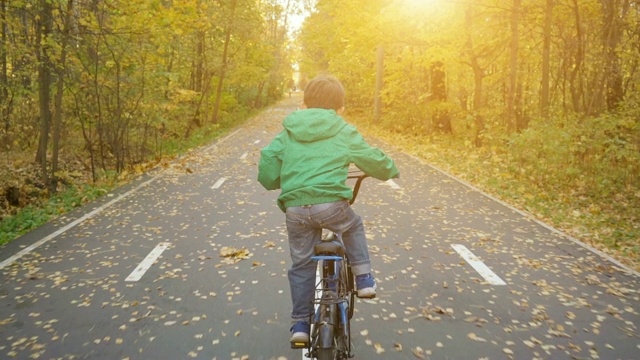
415 8
421 4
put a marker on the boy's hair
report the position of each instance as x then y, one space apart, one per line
324 92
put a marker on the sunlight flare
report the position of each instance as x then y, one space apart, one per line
420 4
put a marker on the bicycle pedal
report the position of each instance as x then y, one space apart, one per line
299 345
367 297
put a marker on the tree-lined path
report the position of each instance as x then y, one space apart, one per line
190 261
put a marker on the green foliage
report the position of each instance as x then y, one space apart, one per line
576 164
582 176
139 71
140 80
75 195
586 172
595 156
341 38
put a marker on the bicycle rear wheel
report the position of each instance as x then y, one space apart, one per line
350 291
331 338
342 346
326 346
326 354
345 313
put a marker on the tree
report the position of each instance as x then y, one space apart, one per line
473 57
5 98
546 60
61 68
126 76
228 31
514 119
43 32
441 114
613 15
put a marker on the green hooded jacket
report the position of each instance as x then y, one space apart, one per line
309 160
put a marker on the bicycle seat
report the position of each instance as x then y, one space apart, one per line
329 248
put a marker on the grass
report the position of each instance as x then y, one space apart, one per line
33 216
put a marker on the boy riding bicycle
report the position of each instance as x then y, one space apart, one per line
309 161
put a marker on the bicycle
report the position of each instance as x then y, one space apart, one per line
330 337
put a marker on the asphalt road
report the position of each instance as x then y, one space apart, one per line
190 261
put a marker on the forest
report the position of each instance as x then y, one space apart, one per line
534 101
95 91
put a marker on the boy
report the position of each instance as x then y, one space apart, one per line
309 161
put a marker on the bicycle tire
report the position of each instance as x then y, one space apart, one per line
343 330
343 342
326 349
325 354
331 338
350 294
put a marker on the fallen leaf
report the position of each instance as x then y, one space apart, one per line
419 353
474 337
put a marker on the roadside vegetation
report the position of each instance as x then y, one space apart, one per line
92 93
35 206
585 201
513 96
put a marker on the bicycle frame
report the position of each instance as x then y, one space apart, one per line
331 321
330 324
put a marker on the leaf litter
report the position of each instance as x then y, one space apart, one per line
429 301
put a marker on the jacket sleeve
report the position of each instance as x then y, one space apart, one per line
271 163
371 160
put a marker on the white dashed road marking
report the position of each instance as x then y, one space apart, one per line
218 183
478 265
393 184
138 272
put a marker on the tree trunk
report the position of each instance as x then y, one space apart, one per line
225 61
441 116
477 106
574 81
198 66
44 77
257 101
512 121
5 101
545 85
478 77
57 118
613 11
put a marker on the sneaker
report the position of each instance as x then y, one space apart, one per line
366 286
300 334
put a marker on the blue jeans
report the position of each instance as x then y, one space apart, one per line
304 227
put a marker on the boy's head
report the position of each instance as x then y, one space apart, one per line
324 92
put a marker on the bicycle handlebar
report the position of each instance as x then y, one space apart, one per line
359 175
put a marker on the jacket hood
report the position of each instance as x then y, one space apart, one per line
313 124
